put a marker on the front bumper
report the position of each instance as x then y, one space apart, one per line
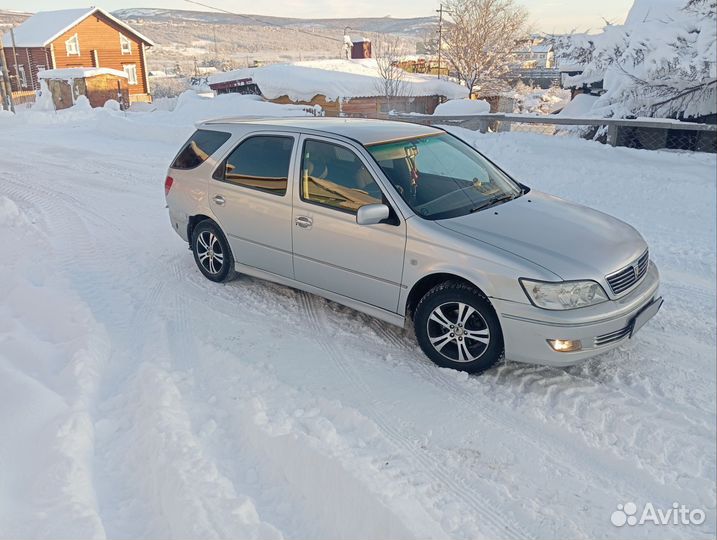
600 328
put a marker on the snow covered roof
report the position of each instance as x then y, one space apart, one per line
46 26
334 79
78 73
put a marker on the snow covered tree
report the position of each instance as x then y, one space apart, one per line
657 66
480 40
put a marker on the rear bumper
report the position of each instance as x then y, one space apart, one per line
600 328
179 222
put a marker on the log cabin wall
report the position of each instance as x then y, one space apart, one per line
100 34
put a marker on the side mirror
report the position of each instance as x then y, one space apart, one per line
371 214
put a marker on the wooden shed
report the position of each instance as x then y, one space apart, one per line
97 85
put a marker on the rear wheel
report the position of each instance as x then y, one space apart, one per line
457 328
212 252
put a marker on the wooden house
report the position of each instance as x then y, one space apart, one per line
76 38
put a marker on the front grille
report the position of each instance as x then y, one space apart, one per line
624 279
612 337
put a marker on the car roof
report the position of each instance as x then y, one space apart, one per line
365 131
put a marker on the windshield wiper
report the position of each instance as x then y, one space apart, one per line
492 202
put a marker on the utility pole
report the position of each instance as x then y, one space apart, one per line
5 88
14 60
440 37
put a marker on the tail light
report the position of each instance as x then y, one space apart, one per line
168 185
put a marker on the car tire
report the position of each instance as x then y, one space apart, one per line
212 252
457 328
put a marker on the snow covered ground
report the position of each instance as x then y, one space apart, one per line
139 399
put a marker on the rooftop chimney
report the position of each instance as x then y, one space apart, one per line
361 49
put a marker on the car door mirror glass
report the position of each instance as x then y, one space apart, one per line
371 214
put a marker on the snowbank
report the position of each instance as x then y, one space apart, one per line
579 107
458 107
334 79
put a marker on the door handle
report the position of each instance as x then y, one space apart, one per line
218 200
304 222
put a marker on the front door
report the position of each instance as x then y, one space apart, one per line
251 197
331 251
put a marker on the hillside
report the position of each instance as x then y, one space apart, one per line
238 41
184 37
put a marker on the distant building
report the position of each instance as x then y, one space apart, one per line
534 63
535 56
88 38
339 87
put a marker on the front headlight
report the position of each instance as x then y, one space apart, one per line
564 294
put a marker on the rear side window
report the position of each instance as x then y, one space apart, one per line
260 162
199 147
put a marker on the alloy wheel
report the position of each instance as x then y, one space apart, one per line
209 252
458 332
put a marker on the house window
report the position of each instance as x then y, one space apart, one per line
125 45
73 46
131 71
23 76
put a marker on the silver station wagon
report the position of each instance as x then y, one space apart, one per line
400 221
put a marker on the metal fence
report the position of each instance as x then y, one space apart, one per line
645 134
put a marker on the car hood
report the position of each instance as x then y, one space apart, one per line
568 239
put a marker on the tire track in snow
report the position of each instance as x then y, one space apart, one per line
564 391
559 449
433 468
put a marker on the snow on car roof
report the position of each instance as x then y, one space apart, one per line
45 26
365 131
335 79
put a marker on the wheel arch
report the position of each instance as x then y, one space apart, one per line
195 220
426 283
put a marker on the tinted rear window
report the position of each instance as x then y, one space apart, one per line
199 147
260 162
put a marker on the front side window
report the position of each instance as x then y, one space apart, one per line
332 175
131 71
440 176
202 144
260 162
72 46
125 44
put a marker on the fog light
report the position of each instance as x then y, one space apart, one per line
565 345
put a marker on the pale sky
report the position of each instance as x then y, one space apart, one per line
546 15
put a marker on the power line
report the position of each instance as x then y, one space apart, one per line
249 17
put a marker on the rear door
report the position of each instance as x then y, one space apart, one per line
331 251
250 195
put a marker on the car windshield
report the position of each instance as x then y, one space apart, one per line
440 176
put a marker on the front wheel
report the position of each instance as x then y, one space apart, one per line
212 252
457 328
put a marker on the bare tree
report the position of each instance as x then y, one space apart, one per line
480 40
389 51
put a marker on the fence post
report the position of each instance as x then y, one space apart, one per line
483 125
612 134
